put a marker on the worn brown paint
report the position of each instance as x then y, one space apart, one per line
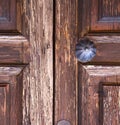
11 95
99 87
41 65
98 16
27 40
10 16
38 75
14 49
65 62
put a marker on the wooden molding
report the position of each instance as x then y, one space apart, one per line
11 95
107 49
14 49
10 71
99 94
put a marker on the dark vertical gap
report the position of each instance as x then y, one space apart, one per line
79 95
54 35
101 112
80 11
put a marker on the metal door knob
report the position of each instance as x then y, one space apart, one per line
85 50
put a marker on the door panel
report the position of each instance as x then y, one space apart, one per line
27 26
10 15
11 95
100 95
99 15
105 15
97 81
14 55
111 105
99 85
4 104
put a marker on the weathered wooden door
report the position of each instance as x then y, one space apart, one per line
26 62
41 80
14 55
87 93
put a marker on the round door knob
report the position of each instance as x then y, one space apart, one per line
63 122
85 50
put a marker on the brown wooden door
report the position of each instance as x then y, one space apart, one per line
41 80
14 55
87 93
26 62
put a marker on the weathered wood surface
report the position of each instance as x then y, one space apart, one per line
14 49
99 95
26 96
111 104
11 95
41 65
99 16
108 48
105 15
65 62
35 24
99 85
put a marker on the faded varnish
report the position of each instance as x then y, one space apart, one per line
65 62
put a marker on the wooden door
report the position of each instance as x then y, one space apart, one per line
87 93
14 55
26 62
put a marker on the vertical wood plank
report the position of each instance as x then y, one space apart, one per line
111 105
65 62
41 65
26 21
37 26
26 96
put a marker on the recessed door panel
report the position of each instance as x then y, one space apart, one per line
11 95
4 104
100 15
10 16
100 95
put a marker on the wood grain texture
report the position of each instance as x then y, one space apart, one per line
98 16
11 95
25 30
34 21
111 104
108 48
14 49
96 105
83 17
99 95
41 65
4 10
4 104
10 16
110 8
26 96
65 62
104 16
